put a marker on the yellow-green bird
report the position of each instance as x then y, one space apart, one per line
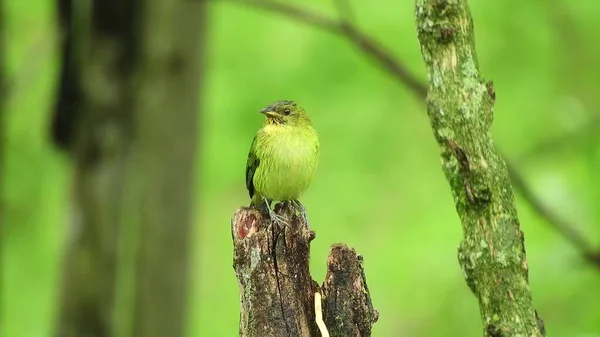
283 158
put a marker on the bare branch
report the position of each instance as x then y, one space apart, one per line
564 228
381 55
365 43
585 132
344 9
575 51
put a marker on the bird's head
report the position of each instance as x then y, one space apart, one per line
285 113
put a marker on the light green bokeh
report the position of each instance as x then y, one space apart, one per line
379 188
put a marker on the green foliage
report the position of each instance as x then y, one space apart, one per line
379 187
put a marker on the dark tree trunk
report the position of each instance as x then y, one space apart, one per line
127 114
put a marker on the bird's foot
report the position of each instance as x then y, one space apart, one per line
301 208
278 219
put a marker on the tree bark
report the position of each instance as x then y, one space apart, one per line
277 293
346 298
127 113
460 108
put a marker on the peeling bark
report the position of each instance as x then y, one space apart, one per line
460 108
276 289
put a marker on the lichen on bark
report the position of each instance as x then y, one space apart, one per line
460 108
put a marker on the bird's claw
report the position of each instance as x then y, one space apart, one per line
278 219
301 208
283 221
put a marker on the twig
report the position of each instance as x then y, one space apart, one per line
563 227
374 49
574 48
319 316
585 132
364 42
345 11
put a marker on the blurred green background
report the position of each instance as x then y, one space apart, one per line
379 188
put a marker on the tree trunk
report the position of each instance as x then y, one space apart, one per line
127 113
277 293
460 107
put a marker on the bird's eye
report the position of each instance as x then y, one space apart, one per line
287 111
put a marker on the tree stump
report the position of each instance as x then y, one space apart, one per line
277 293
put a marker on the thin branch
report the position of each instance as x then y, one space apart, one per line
585 132
380 54
364 42
563 227
344 9
575 52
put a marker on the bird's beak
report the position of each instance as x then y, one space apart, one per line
269 113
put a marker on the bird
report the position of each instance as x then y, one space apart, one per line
283 158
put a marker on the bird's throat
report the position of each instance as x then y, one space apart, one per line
273 121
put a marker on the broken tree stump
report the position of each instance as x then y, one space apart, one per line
277 293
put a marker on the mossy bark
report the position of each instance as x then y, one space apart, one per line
127 114
277 293
460 107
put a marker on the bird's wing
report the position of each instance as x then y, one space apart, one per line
251 166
